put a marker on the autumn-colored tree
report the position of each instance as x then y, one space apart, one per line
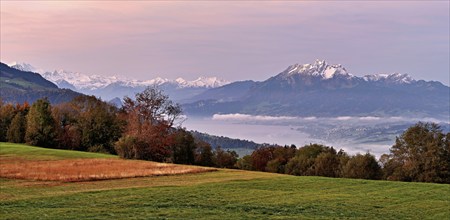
261 156
7 113
40 125
225 159
16 130
421 153
150 118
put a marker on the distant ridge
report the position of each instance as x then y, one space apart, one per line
18 86
324 90
111 87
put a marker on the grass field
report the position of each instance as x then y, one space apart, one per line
225 194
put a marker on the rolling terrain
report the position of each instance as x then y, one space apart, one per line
224 194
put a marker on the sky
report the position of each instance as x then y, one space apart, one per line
231 40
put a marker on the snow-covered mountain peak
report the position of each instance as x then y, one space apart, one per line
209 82
396 78
25 67
79 80
319 68
82 82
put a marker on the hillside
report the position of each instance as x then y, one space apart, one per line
224 194
18 86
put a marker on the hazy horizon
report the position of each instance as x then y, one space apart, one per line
230 40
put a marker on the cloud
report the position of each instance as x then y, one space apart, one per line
290 119
244 117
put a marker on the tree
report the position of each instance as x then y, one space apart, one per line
225 159
150 118
183 148
66 117
245 163
420 154
327 164
204 155
40 125
7 113
362 167
281 156
97 123
16 131
261 156
305 160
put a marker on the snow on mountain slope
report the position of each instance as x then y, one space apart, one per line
396 78
319 68
24 67
79 81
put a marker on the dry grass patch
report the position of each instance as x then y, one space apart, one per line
74 170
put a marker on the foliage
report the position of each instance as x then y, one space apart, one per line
245 163
224 159
97 123
7 113
362 167
204 155
262 156
149 121
303 163
16 131
183 147
17 128
40 125
421 153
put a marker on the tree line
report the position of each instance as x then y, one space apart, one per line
148 127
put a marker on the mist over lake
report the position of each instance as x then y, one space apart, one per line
352 134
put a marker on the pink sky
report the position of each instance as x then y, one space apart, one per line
231 40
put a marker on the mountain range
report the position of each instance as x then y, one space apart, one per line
111 87
324 90
18 86
317 89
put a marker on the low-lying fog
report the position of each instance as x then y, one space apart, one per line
353 134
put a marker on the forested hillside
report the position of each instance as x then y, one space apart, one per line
19 86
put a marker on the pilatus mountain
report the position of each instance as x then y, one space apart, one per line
324 90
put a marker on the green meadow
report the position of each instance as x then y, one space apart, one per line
223 194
